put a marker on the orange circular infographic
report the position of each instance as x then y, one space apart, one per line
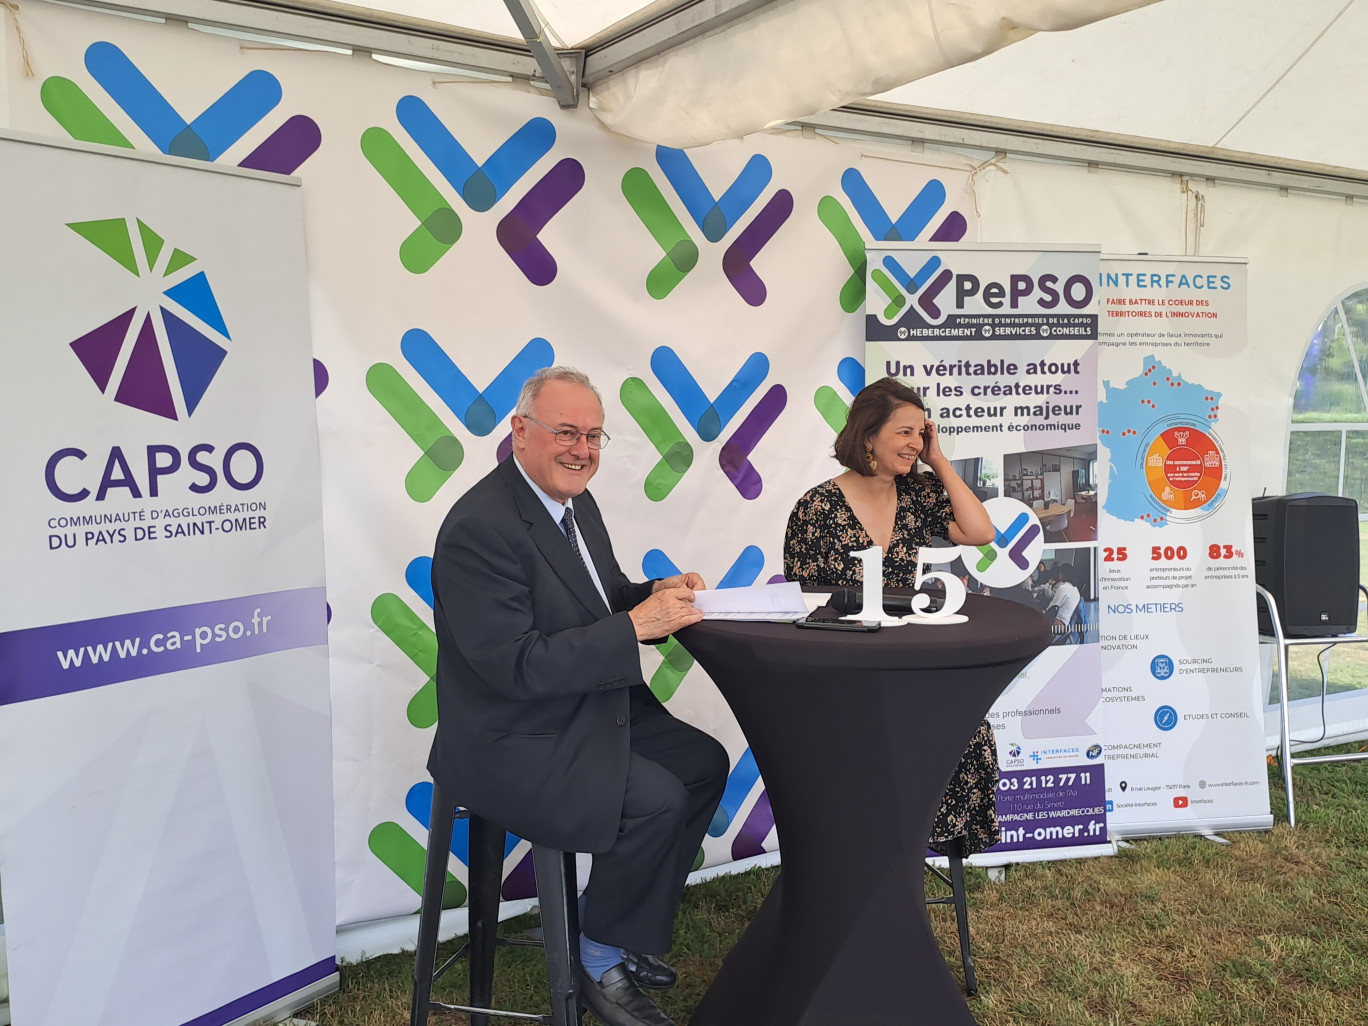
1185 468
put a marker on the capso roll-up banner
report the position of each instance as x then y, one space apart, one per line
165 737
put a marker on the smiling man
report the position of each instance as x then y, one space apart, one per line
546 725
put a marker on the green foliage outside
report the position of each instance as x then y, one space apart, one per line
1347 665
1330 390
1328 387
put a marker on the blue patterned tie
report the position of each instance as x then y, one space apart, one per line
568 523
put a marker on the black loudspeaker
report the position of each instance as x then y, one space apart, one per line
1306 553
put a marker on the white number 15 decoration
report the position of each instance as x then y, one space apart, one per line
871 560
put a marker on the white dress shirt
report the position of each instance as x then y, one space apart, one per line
1065 600
556 510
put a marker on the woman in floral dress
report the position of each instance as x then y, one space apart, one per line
881 500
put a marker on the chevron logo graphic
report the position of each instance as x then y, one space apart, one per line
834 410
915 219
709 418
205 137
481 411
925 285
1017 536
480 186
676 662
714 217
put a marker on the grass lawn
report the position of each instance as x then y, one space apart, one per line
1271 929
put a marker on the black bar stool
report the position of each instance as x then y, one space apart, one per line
557 893
953 850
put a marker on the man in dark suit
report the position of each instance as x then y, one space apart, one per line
545 725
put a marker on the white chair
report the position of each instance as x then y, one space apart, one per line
1037 503
1059 524
1286 760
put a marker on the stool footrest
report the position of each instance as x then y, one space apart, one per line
450 962
1304 760
439 1006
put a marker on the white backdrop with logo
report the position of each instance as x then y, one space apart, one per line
714 297
406 247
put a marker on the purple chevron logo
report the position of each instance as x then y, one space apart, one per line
480 186
207 136
714 216
708 416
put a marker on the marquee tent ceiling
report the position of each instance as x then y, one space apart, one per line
1261 77
570 24
691 72
790 60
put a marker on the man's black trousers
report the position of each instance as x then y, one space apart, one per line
674 781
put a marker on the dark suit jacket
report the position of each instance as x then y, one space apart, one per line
533 673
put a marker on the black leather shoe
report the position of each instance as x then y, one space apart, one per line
616 1001
648 971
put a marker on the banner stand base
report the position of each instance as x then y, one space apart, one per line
995 859
1177 828
285 1007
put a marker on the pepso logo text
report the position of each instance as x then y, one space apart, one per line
1043 293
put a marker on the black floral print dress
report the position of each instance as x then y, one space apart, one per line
822 532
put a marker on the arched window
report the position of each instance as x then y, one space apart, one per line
1327 451
1327 448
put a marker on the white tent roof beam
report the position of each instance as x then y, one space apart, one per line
344 26
564 84
649 38
1088 147
362 28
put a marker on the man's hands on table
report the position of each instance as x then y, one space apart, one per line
670 607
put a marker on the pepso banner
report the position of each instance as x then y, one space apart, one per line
1001 342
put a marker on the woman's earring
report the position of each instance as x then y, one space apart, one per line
869 458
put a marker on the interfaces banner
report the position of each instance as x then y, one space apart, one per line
1002 343
165 736
1182 703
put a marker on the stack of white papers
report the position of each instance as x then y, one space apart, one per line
760 602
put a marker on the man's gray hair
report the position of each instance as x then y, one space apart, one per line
532 386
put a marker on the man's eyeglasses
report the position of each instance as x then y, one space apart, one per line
566 437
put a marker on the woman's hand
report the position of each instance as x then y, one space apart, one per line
931 451
971 524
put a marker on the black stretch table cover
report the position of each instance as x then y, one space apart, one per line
856 736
